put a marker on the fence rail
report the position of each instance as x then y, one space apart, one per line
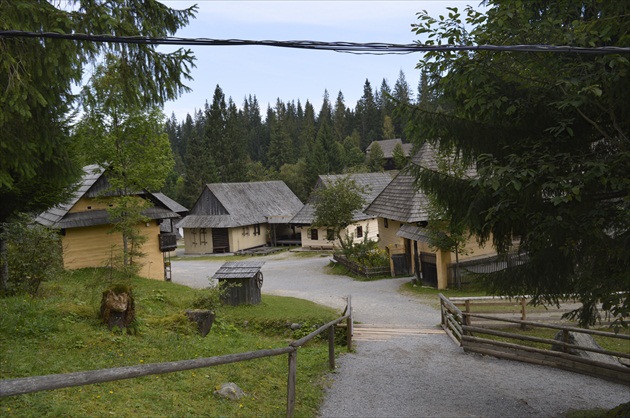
20 386
458 325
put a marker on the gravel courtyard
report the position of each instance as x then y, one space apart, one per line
420 373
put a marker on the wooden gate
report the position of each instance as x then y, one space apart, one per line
429 269
220 240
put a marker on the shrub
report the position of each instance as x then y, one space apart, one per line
34 255
367 253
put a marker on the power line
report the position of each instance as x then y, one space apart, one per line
350 47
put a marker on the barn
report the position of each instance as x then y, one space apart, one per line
230 217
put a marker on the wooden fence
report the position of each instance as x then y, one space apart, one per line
458 325
509 308
368 272
12 387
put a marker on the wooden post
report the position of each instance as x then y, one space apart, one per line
291 384
349 327
523 313
467 320
331 347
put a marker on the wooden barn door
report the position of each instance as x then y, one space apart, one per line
429 269
220 240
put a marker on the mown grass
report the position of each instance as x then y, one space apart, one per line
60 332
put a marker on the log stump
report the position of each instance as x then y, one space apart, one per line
118 307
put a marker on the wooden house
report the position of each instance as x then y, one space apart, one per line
230 217
86 228
387 146
403 214
364 224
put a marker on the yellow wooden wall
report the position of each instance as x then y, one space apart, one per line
241 238
95 246
370 227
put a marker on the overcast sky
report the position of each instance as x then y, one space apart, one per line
291 74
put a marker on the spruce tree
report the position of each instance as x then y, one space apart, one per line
548 134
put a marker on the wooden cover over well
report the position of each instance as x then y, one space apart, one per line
238 270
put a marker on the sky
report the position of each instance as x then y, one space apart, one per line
270 73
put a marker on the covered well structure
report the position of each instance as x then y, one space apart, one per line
246 278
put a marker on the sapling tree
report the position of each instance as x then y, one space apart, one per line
336 205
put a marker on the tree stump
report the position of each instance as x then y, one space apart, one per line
118 307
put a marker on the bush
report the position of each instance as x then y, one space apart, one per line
34 255
367 254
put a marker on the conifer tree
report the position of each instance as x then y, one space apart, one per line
548 133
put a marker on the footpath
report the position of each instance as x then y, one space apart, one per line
403 365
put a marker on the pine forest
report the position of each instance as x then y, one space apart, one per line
288 141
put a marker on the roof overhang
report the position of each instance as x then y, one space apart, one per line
414 233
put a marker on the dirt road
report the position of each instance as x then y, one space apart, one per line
412 369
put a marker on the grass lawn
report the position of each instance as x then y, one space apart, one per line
59 332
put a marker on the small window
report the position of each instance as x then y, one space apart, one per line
257 229
385 223
359 232
312 233
330 234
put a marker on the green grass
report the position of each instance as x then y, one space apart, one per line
60 332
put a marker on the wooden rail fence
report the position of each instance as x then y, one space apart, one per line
12 387
368 272
458 325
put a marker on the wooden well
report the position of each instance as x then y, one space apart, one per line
246 278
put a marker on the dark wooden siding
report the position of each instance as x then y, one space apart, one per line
220 240
208 204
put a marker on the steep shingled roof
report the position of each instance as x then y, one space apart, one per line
401 200
93 179
228 205
374 183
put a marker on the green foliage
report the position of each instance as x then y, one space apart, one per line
210 298
336 203
38 162
548 134
399 157
375 158
128 139
366 253
33 256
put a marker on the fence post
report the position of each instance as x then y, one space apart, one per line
523 313
349 327
466 319
291 383
331 347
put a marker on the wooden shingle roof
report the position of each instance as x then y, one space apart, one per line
387 145
93 183
228 205
238 270
373 182
401 200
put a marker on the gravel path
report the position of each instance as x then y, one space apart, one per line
418 375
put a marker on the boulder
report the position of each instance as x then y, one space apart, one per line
230 390
583 340
203 318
